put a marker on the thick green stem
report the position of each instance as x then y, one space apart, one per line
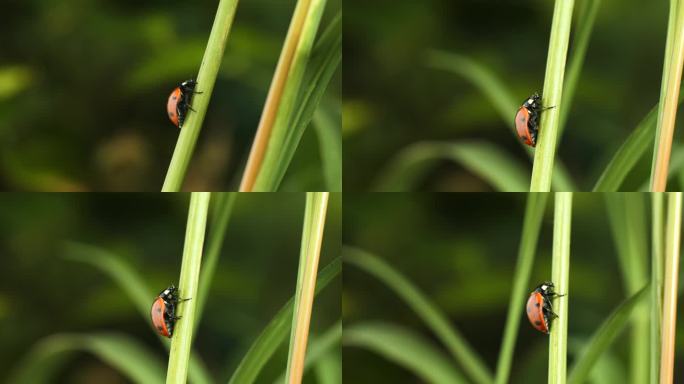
181 342
312 238
560 274
211 62
542 171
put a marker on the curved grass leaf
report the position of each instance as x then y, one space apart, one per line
329 368
426 310
485 160
133 285
329 131
628 154
604 336
500 96
406 348
325 58
275 333
132 359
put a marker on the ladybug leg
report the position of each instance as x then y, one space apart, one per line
182 300
190 108
544 109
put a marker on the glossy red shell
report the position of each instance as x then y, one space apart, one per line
158 317
522 119
535 312
171 105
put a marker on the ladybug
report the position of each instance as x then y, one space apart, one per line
164 311
527 119
179 102
539 309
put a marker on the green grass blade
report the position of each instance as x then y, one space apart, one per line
277 330
206 78
128 280
406 348
283 95
224 203
309 256
657 261
534 214
129 357
500 96
319 348
485 160
585 25
628 154
329 368
604 336
560 276
669 96
181 342
673 233
627 213
545 153
426 310
329 131
325 59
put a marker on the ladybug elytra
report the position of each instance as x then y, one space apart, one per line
539 310
527 119
164 311
179 102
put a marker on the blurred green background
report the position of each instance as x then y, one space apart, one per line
84 84
461 251
42 293
392 98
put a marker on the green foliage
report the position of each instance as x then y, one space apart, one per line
406 348
485 160
275 333
131 358
429 313
534 213
604 336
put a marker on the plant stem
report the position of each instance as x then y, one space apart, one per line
553 89
672 241
312 238
656 283
669 97
560 274
206 78
534 213
181 342
284 86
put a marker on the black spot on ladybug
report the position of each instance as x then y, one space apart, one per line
174 97
537 323
536 305
159 328
158 310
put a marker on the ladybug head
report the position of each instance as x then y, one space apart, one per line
546 288
188 85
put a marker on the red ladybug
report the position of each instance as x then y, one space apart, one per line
179 102
527 119
539 306
164 311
